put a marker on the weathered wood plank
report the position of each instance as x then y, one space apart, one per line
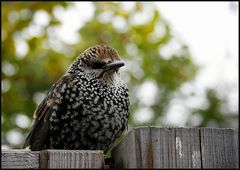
219 148
169 147
20 159
187 143
127 146
71 159
144 147
160 144
154 147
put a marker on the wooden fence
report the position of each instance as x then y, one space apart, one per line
144 147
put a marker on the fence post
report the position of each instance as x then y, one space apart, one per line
71 159
20 159
154 147
24 159
144 147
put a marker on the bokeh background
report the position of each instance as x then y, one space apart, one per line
181 58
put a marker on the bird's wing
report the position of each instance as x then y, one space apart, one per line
39 132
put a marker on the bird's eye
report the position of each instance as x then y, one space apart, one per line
98 65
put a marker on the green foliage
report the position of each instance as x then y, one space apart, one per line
47 57
212 112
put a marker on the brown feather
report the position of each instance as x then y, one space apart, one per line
39 131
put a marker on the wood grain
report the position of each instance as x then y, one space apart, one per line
155 147
219 148
143 147
127 146
20 159
71 159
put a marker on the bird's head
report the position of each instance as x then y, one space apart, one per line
101 60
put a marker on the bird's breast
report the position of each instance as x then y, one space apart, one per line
93 96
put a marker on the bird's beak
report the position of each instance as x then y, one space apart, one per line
112 65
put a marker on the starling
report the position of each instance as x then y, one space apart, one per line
87 108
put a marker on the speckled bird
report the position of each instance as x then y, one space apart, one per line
87 108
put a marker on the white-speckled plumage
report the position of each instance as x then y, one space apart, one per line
88 108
